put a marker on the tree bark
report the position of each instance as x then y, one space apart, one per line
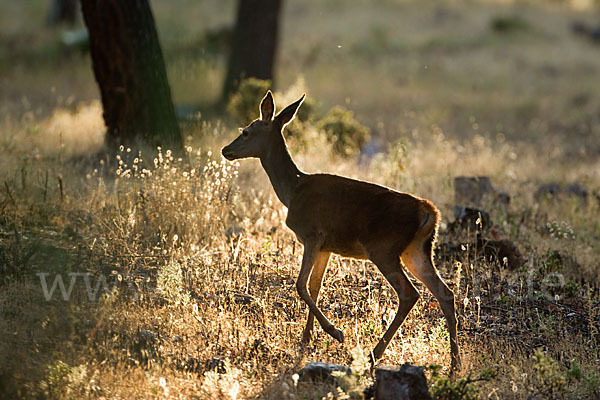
129 68
62 11
254 42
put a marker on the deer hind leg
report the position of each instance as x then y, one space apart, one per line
314 286
389 265
310 256
418 260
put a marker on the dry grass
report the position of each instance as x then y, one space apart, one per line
205 298
199 264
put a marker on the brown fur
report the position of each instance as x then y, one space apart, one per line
333 214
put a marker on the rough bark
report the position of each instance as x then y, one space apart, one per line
254 42
129 68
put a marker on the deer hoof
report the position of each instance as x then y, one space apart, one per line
338 335
305 338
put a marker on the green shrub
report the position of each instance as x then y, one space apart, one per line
64 381
243 104
303 120
346 134
509 23
444 388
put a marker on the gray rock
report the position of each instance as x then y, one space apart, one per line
577 190
148 336
547 190
321 372
234 231
555 190
193 364
478 191
241 298
215 364
504 251
470 217
405 383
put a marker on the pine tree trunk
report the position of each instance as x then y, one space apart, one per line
130 71
254 42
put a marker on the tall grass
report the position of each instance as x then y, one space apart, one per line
201 298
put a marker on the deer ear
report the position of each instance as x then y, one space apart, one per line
288 113
267 107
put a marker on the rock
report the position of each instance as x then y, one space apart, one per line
234 231
591 32
144 346
505 251
405 383
500 248
148 336
450 251
547 190
555 190
177 339
577 190
478 191
323 372
215 364
193 364
469 217
241 298
259 348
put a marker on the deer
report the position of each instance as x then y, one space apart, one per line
351 218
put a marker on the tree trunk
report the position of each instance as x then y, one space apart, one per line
62 11
130 71
254 42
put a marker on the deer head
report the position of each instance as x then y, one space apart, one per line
257 138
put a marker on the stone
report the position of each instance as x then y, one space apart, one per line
478 191
148 336
555 190
547 190
589 31
317 371
505 251
241 298
577 190
215 364
469 217
405 383
234 232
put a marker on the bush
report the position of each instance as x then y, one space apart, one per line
243 105
301 124
346 134
444 388
508 23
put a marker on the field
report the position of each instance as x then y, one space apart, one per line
182 270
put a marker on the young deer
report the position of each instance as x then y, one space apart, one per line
333 214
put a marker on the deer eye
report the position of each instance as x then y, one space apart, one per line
245 133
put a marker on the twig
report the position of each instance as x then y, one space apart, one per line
24 177
10 196
46 186
60 185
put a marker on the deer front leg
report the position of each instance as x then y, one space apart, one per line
311 252
314 286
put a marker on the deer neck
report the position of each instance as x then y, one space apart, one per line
283 173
